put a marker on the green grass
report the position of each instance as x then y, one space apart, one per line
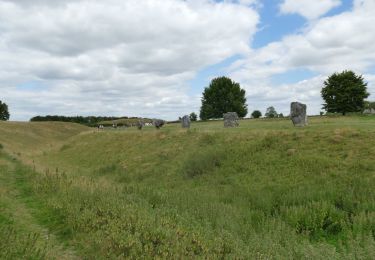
264 190
22 234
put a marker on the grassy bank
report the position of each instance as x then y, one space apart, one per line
23 234
263 190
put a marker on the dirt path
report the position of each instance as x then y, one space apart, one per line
16 214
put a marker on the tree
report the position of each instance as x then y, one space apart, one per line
222 96
271 112
369 105
4 113
256 114
193 116
344 92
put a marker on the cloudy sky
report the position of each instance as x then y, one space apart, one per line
153 58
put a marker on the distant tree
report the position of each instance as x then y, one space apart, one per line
271 112
281 115
222 96
369 105
256 114
344 92
88 120
193 116
4 113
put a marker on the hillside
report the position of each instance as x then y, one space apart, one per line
263 190
28 139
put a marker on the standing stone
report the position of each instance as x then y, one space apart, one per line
185 121
298 114
230 119
140 124
158 123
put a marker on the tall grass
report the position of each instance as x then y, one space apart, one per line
16 245
272 193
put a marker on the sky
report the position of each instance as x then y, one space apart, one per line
153 58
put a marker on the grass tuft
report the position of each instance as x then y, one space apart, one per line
203 162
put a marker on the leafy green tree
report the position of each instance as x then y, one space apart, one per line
4 113
271 112
344 92
256 114
222 96
193 116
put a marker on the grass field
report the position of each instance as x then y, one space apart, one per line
264 190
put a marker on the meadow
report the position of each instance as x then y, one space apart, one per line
264 190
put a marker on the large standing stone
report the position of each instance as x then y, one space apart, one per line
158 123
185 121
298 114
230 119
140 124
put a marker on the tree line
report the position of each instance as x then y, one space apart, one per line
85 120
343 93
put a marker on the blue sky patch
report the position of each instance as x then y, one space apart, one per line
32 85
273 25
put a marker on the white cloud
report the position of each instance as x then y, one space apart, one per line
114 57
136 57
280 97
308 8
327 45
